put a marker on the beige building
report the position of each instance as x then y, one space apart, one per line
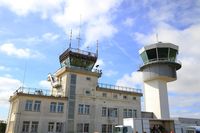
77 103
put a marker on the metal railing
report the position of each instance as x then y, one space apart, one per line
161 60
76 50
33 91
119 88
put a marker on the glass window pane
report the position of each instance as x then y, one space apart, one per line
172 54
163 53
144 57
151 54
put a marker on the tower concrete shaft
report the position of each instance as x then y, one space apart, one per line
159 67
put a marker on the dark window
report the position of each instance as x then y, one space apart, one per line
59 126
25 127
34 127
163 53
151 54
50 126
88 78
73 79
172 54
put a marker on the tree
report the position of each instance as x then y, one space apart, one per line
2 127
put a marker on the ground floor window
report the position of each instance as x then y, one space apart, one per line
107 128
34 127
55 126
83 128
25 126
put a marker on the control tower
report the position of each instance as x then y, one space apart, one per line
159 67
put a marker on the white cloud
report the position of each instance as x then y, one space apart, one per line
110 73
133 80
129 22
186 105
96 18
8 86
45 84
11 50
50 36
24 7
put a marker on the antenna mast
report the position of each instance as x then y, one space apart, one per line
70 39
79 34
157 37
97 49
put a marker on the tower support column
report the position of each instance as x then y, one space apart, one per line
156 98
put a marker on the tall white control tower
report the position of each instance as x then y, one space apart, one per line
159 67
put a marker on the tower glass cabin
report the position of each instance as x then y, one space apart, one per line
159 67
76 58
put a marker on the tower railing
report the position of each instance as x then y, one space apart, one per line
76 50
33 91
118 88
162 60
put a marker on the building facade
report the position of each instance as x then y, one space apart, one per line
77 103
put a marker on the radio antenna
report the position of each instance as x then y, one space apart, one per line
79 34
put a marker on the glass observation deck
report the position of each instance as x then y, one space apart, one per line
160 52
78 58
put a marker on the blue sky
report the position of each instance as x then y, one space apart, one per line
34 33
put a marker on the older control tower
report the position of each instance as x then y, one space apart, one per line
159 67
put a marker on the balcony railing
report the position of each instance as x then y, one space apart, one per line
118 88
161 60
33 91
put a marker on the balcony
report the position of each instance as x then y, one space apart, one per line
118 88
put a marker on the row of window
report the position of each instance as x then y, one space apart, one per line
33 127
84 128
83 109
36 105
115 96
107 112
30 127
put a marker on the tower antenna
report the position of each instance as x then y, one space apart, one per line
79 34
157 37
97 49
70 39
24 75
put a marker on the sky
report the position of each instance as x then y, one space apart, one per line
34 33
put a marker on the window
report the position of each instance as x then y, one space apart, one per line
83 109
34 127
124 97
50 126
28 106
106 128
25 127
104 111
73 79
134 98
80 108
135 113
37 106
130 113
115 96
88 78
104 94
60 107
125 113
53 107
87 109
87 92
112 112
83 127
59 126
103 128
